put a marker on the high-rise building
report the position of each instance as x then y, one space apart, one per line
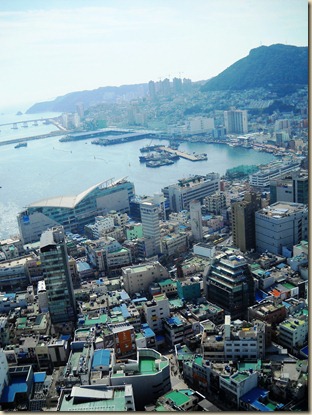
59 286
152 90
196 220
230 285
236 121
151 228
243 221
281 226
180 195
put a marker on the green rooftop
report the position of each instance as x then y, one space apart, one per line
247 366
102 319
116 404
177 398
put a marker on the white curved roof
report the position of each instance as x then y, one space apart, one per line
65 201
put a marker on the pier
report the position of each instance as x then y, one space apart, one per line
181 154
36 137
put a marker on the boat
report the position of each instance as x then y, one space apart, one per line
159 163
147 149
158 157
22 144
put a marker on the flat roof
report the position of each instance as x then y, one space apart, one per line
177 397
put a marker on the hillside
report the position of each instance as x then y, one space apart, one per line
276 67
68 102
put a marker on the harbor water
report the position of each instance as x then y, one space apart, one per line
48 167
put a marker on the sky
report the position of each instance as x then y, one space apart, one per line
51 48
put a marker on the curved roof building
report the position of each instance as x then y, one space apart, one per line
74 212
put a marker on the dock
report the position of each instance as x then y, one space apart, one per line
181 154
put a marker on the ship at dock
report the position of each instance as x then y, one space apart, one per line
158 156
159 163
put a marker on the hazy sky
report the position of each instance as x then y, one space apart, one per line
52 47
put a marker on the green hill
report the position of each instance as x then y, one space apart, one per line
276 67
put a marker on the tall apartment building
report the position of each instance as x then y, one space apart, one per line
59 287
243 221
236 121
151 228
230 285
196 220
281 225
180 195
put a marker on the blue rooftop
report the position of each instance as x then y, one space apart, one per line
83 266
124 310
124 295
174 320
260 295
18 385
254 394
148 332
39 377
305 351
139 300
280 266
101 358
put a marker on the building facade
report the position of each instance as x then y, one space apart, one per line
236 121
74 212
281 225
243 221
180 195
59 287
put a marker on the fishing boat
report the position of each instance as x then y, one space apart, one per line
22 144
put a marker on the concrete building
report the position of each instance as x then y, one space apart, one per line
281 226
263 177
74 212
200 125
196 220
149 375
155 311
290 188
215 203
59 286
236 121
238 384
243 221
180 195
151 228
93 398
174 243
293 333
138 278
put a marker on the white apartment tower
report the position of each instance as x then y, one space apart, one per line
151 229
196 220
236 121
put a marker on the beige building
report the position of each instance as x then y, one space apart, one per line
138 278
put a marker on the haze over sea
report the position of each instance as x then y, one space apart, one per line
47 168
